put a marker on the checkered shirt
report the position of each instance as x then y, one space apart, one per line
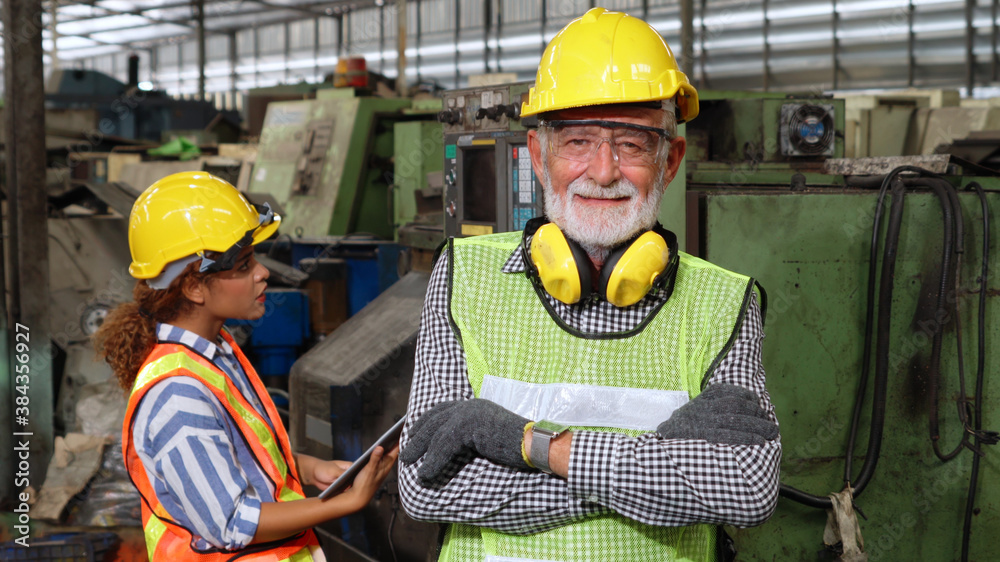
665 482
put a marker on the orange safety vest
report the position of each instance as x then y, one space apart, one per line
166 539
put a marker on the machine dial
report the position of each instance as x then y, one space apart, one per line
92 318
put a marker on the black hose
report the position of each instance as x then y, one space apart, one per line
949 202
951 251
886 285
978 437
866 358
878 405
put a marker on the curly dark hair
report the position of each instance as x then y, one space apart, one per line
128 334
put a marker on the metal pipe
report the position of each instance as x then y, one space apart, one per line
911 45
133 69
687 36
288 48
970 56
767 47
993 38
499 34
381 38
340 36
703 80
53 17
401 5
233 75
200 11
835 22
487 27
458 26
180 61
544 21
419 35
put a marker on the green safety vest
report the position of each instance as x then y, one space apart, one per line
508 334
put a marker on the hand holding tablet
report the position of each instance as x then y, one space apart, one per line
386 441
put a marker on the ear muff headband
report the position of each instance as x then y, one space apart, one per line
631 271
560 265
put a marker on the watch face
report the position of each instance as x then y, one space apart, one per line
552 427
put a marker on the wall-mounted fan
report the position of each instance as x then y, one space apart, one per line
807 130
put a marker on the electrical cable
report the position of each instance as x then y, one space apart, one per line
979 437
953 245
392 522
952 248
866 358
954 234
875 438
880 384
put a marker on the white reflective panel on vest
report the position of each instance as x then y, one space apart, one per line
584 405
509 559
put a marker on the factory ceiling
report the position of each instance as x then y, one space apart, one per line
87 28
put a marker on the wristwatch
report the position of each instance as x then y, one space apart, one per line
542 434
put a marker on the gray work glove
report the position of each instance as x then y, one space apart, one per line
722 413
450 429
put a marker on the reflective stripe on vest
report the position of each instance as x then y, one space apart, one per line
507 333
166 540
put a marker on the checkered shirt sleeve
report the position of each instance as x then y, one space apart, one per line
666 482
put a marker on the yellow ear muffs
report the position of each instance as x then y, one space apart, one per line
629 272
562 265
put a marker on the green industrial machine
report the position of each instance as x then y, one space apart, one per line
740 138
418 185
807 236
328 162
810 252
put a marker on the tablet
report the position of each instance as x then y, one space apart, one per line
388 439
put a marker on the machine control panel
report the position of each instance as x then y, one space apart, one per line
489 108
524 187
490 185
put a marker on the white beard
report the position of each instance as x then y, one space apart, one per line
599 230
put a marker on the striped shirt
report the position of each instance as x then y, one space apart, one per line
665 482
201 468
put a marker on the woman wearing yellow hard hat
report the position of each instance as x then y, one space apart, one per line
202 439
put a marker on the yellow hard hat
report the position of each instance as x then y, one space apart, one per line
608 57
188 213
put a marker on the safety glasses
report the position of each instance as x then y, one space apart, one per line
227 260
580 140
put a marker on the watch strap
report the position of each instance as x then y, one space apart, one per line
539 453
542 434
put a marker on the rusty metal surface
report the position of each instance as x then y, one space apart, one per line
881 165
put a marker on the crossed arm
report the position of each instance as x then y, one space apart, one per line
657 481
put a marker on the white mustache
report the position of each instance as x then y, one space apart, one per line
585 187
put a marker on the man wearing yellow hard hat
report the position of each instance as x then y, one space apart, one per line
583 390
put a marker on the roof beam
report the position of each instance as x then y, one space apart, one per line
309 10
303 8
140 12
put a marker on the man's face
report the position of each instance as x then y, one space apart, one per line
603 202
